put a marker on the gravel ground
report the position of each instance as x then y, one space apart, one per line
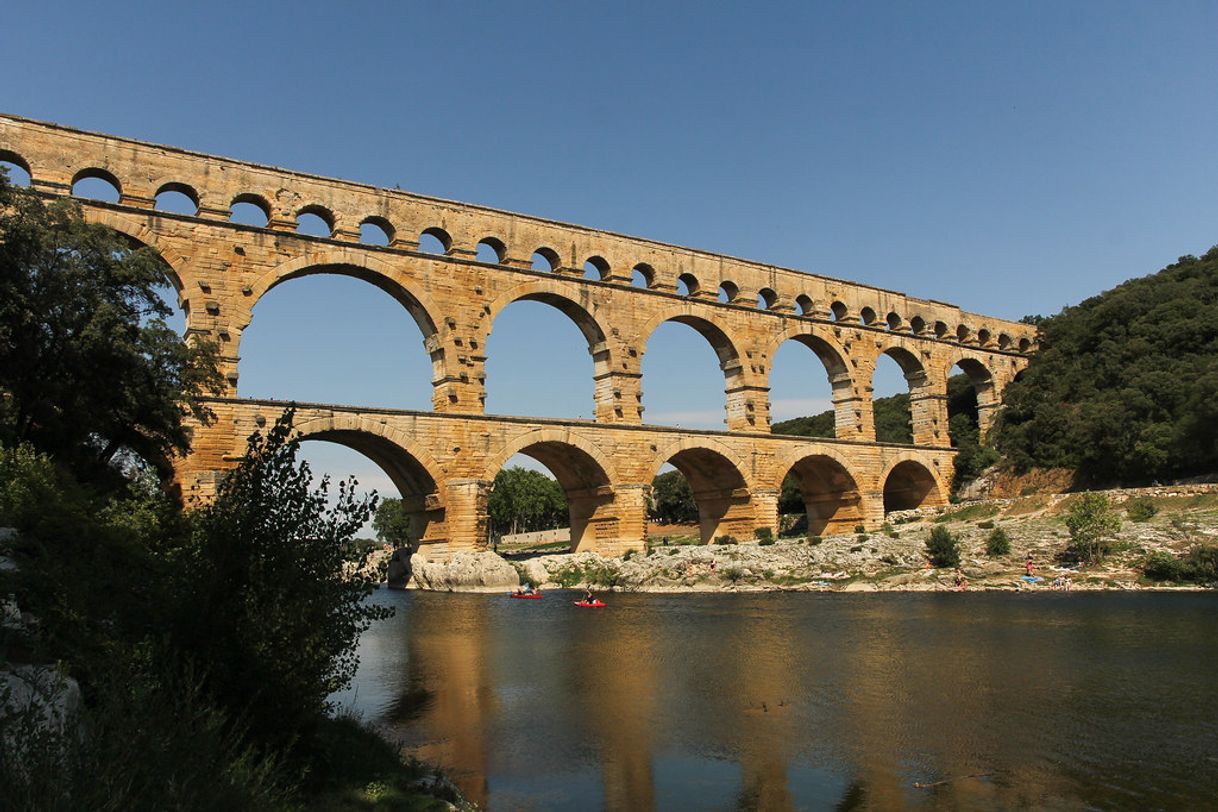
895 559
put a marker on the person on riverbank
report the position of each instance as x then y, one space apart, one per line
961 581
1029 570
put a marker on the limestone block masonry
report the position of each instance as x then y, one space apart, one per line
444 461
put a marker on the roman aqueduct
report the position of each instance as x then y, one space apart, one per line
445 460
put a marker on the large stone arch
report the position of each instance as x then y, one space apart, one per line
413 470
722 489
984 384
832 496
139 231
736 377
359 265
717 335
927 389
835 360
909 481
583 470
557 294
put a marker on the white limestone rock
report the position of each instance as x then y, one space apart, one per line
463 572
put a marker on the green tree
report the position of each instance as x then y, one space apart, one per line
972 456
892 422
89 371
392 523
1124 388
997 543
523 500
270 608
943 548
790 497
1092 523
672 500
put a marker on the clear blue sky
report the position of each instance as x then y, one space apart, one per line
1008 158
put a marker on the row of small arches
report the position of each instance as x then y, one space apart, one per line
317 221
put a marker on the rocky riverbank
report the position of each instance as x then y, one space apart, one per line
890 560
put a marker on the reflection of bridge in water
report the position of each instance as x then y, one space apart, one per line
775 702
444 461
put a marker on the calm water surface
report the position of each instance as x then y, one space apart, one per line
805 701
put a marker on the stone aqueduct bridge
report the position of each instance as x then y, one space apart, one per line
444 461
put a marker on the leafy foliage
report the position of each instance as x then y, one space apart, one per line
943 548
1092 524
270 608
997 543
1199 565
972 457
1142 509
1125 386
88 368
392 523
672 499
892 422
149 739
523 501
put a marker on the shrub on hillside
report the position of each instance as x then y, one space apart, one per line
1141 509
764 535
726 539
1198 565
943 548
998 543
1092 524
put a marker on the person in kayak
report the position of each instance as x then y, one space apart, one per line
588 596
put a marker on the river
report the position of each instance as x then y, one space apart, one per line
804 700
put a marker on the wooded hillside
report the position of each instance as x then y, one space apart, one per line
1125 386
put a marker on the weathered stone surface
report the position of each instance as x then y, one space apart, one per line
463 572
35 697
444 461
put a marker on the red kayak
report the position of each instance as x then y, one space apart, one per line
529 596
589 604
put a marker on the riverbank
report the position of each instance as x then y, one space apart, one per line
894 559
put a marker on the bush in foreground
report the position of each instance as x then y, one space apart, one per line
269 608
943 548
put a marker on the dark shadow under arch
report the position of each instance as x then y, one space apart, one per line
416 486
584 482
908 485
717 485
830 494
